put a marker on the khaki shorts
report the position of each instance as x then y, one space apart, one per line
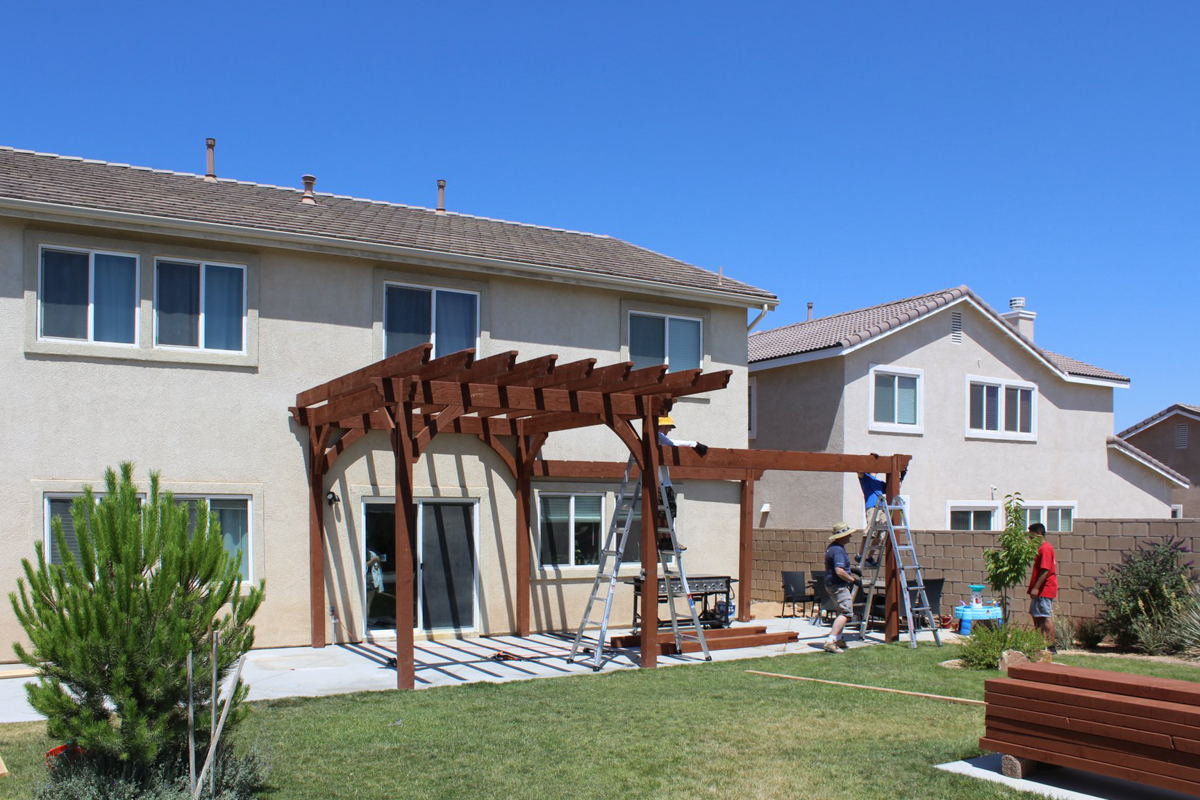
841 599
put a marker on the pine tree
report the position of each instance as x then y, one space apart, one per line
111 630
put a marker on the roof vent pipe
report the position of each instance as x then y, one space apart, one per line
211 175
308 199
441 206
810 305
1016 303
1020 317
720 276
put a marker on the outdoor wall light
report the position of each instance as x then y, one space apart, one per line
332 498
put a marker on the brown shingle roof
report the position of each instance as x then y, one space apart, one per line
1153 418
855 327
1117 443
98 185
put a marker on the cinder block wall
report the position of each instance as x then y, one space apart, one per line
957 556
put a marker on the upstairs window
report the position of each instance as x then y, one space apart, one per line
88 296
895 399
662 339
200 305
414 316
1001 409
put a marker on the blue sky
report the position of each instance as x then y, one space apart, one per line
845 154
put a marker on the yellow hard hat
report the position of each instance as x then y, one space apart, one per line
666 421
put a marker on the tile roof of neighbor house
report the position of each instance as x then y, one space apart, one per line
1117 443
1161 415
77 183
855 327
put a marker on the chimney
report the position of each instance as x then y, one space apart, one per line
308 199
720 276
441 206
211 175
809 313
1019 318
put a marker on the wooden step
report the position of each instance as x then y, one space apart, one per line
633 639
760 639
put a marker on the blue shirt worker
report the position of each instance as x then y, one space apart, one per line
665 426
838 582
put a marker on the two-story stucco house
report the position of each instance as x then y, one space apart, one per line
172 319
983 410
1172 436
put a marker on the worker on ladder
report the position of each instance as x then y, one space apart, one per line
665 426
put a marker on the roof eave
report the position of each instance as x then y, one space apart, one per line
54 212
1129 451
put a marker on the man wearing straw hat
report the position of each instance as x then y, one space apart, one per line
838 582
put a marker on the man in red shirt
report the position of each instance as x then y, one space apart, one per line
1043 587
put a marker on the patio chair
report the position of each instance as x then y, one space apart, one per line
795 590
823 607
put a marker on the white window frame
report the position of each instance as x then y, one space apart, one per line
975 505
571 549
752 408
1176 511
209 498
91 307
433 310
666 318
895 427
1044 506
203 264
1003 385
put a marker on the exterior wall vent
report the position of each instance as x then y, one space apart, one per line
956 327
1181 431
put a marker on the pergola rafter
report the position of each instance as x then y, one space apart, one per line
513 406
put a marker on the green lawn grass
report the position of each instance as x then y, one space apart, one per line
709 730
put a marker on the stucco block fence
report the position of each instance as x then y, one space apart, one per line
957 556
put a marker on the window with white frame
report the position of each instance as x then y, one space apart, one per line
664 339
896 402
972 518
88 295
233 515
572 529
416 315
200 305
1001 409
1057 517
1177 511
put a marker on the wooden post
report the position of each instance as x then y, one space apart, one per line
524 550
650 495
746 549
891 627
316 536
406 524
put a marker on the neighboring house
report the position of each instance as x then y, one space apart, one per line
983 410
171 319
1172 436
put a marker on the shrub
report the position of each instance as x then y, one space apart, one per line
235 777
1188 625
1089 633
1066 630
1156 635
111 630
1151 582
988 642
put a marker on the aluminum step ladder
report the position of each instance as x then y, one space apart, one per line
881 533
673 581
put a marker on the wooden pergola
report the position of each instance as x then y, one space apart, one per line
513 406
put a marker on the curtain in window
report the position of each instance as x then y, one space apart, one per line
234 518
456 322
992 420
906 400
647 340
179 304
115 298
223 307
976 406
64 294
407 316
587 530
885 398
1026 420
60 509
556 531
683 338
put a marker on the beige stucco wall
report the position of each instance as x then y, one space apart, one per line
219 424
1069 462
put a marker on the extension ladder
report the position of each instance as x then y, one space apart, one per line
674 581
881 533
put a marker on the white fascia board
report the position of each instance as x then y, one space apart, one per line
1179 412
53 212
1147 464
800 358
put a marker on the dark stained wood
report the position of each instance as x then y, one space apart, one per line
564 374
399 364
746 548
1177 713
527 371
891 602
316 535
1145 686
606 377
633 639
650 494
666 645
1133 713
406 527
615 470
780 460
443 421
